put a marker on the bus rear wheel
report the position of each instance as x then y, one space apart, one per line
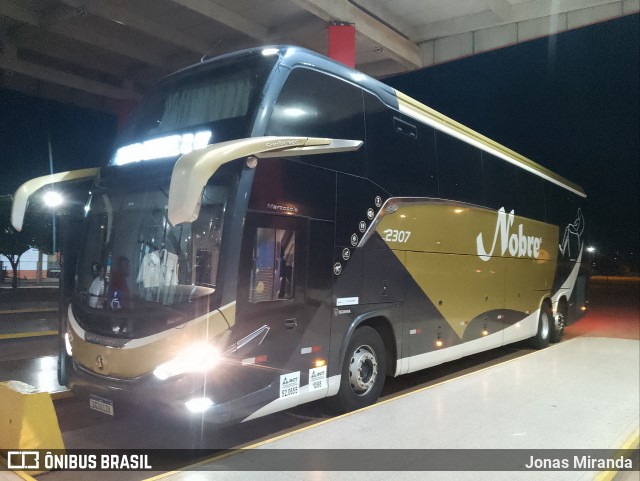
559 321
545 320
363 371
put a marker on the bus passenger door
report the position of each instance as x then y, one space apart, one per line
270 303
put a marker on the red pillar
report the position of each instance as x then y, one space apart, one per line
342 43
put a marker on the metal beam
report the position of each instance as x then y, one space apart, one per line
122 16
56 48
48 74
395 45
109 43
55 23
379 10
226 17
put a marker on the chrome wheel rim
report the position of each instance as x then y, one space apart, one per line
363 370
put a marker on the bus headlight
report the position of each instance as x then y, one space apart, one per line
199 404
199 357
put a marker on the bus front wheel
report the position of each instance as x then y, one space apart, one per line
363 371
545 320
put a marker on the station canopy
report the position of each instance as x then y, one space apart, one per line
102 54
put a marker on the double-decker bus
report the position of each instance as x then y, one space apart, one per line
275 228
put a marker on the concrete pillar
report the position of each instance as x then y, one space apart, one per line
39 268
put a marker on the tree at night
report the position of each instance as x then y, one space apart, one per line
36 233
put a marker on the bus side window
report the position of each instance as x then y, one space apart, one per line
401 155
532 196
273 267
314 104
500 180
459 170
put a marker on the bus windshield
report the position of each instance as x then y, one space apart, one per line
133 261
221 96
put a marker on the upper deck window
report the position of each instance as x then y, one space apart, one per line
221 92
315 104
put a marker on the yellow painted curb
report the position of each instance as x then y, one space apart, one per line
27 311
20 335
630 443
20 474
27 418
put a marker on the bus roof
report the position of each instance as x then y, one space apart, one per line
291 56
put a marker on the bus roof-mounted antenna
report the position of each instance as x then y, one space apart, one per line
206 54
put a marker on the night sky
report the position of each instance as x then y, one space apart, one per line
79 138
569 102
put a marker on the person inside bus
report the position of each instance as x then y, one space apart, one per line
96 290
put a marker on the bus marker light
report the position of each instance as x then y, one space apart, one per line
310 349
320 363
162 147
198 404
254 360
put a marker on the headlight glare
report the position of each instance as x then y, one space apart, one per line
199 357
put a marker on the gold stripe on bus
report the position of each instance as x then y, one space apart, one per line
423 113
437 243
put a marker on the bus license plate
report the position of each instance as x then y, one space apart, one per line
101 404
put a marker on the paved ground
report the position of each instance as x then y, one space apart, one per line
614 312
29 294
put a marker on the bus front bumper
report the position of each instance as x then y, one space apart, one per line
182 397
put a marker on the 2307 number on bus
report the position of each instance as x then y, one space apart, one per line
394 235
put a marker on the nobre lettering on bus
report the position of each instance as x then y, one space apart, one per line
518 244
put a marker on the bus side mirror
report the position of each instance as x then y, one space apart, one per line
193 170
26 190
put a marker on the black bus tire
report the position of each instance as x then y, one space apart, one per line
558 322
363 371
545 320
